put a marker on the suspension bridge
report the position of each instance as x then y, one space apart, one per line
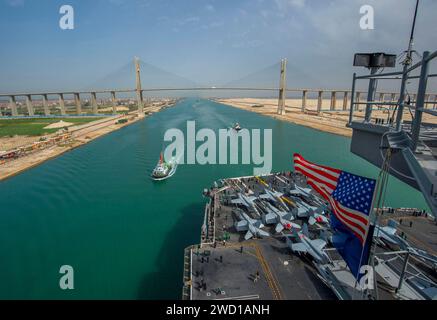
85 102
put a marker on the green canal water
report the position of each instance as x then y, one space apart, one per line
96 209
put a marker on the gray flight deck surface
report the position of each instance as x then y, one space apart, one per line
233 276
422 233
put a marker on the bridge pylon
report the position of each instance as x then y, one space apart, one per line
282 87
138 85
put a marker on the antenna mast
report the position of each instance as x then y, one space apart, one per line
409 52
408 60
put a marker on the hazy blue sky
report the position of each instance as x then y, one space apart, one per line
207 41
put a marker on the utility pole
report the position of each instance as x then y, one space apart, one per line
138 87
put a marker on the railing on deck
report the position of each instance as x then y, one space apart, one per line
418 103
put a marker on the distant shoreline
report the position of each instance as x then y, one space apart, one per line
81 135
327 122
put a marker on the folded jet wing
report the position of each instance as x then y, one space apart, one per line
282 218
300 191
305 210
387 233
318 244
272 195
317 218
254 231
311 247
299 247
280 213
248 235
244 200
242 225
270 218
252 226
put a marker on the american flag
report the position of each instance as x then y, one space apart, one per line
350 195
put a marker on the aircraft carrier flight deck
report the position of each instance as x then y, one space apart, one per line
269 238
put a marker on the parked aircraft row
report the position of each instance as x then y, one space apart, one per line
282 209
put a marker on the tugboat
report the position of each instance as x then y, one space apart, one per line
164 170
236 127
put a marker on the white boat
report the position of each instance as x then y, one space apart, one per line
164 170
236 127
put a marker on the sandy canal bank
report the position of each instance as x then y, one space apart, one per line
80 134
327 121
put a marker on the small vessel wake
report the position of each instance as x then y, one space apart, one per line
163 169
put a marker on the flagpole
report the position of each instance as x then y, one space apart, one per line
328 186
378 199
383 180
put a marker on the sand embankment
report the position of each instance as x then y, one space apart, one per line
327 121
80 134
59 125
111 109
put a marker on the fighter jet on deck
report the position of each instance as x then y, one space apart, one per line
282 218
252 226
271 195
247 201
314 214
305 193
387 233
274 196
308 246
297 191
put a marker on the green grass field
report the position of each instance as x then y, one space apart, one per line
34 127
